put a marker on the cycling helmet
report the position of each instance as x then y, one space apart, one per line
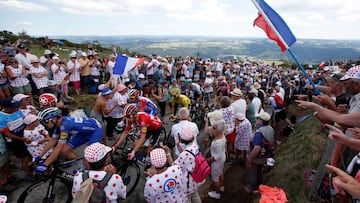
133 93
130 110
48 113
47 100
188 81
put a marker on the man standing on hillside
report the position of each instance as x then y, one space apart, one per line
84 70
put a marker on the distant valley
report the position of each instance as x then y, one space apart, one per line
311 51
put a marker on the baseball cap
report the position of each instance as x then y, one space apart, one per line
21 46
158 157
106 91
10 103
30 118
95 152
186 133
47 51
352 73
264 116
19 97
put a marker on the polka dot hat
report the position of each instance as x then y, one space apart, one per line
186 133
158 157
28 119
353 72
95 152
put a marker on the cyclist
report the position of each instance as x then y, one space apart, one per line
150 128
178 99
143 104
195 92
69 133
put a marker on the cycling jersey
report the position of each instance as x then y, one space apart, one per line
146 122
76 131
195 91
146 105
182 100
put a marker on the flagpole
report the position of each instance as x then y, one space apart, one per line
317 92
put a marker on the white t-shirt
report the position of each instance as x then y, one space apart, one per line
176 129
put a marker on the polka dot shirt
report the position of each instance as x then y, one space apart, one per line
114 189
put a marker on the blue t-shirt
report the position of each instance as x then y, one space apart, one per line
71 126
13 123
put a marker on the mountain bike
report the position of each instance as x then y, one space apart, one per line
53 187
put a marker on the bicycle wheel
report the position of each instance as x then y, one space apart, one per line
36 193
130 174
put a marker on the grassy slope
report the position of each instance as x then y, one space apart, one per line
302 150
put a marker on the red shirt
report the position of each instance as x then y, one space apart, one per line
146 121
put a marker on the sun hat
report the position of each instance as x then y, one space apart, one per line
106 91
35 60
28 119
120 87
47 51
19 97
186 133
254 91
240 116
158 157
55 58
264 116
352 73
83 54
214 116
95 152
10 103
236 92
256 85
278 83
141 76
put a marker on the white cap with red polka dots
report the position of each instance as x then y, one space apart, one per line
158 157
95 152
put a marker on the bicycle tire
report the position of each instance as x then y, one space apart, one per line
130 175
36 192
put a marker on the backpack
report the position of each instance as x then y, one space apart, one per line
202 169
267 148
279 101
91 190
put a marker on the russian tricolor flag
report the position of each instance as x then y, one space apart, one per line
124 64
273 25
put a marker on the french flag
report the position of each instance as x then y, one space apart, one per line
273 25
124 64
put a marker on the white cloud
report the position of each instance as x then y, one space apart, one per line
21 6
25 23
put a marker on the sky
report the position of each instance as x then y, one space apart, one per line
308 19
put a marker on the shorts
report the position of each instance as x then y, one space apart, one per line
80 139
21 89
76 85
19 149
230 137
281 115
153 135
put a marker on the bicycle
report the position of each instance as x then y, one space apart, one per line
53 187
197 115
129 170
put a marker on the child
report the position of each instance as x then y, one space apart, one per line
38 135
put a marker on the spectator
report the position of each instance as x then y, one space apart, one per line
250 109
161 95
46 62
23 58
97 157
38 135
17 75
39 75
25 106
73 67
238 103
243 131
262 149
60 76
165 183
217 159
229 117
176 129
84 71
4 83
12 127
279 111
